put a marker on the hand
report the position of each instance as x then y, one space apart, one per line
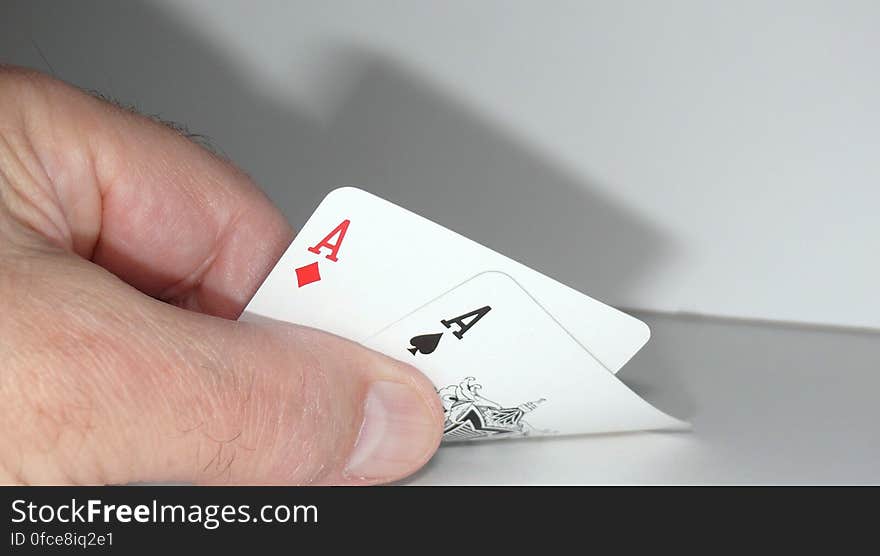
126 253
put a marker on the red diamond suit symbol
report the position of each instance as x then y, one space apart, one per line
305 275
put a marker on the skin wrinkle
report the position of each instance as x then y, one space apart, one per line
311 383
238 397
90 254
190 284
22 128
101 363
345 435
198 411
47 183
297 413
91 153
251 421
82 224
338 436
262 423
31 212
57 427
176 382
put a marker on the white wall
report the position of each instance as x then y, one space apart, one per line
719 158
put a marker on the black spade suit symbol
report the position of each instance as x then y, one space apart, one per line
425 344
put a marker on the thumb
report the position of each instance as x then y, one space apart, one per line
120 387
275 403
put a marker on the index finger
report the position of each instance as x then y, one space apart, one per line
139 198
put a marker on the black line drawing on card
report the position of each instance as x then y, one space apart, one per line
470 416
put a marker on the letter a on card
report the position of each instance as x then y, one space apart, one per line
334 247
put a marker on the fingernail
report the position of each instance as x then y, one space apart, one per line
398 433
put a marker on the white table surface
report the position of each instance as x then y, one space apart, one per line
770 404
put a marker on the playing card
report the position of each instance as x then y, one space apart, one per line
361 262
504 367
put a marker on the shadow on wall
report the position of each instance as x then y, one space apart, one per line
394 134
